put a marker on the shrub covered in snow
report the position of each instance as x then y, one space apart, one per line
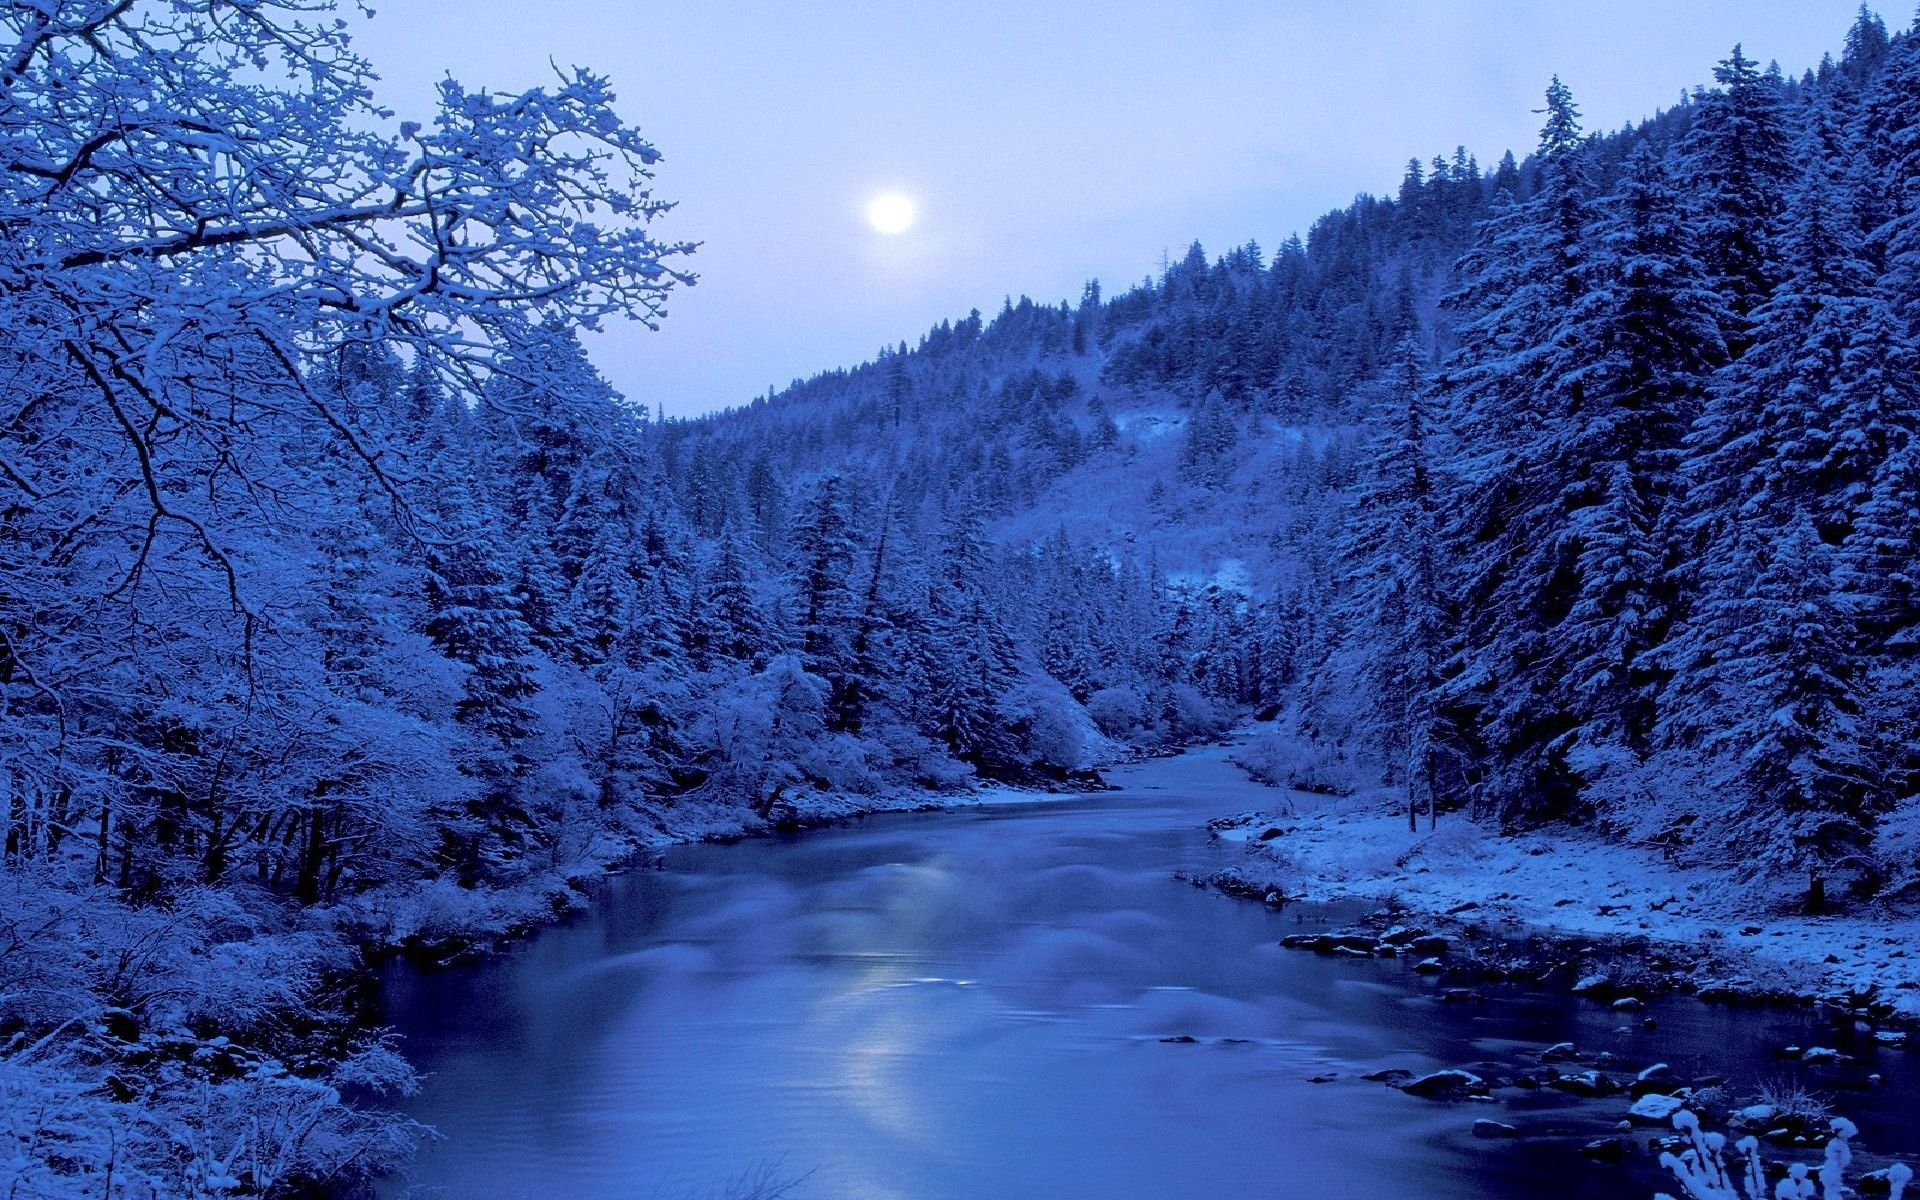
1705 1170
1119 711
158 1053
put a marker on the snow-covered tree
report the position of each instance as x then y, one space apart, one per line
1736 155
1392 622
1789 729
1510 393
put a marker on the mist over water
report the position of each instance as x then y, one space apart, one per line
973 1004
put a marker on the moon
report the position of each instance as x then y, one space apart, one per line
890 213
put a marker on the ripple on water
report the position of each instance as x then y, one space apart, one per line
967 1006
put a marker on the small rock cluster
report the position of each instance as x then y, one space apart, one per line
1623 973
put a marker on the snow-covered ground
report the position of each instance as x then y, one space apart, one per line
1574 882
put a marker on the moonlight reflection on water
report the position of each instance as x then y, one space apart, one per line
974 1004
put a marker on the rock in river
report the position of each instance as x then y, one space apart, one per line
1586 1083
1445 1083
1655 1108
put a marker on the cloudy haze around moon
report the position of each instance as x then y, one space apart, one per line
1044 144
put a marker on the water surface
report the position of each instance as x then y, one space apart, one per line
971 1005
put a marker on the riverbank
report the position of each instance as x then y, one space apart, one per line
157 1037
930 1005
1567 887
439 923
1535 904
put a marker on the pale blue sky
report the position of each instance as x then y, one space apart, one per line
1046 142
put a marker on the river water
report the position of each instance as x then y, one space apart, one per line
972 1005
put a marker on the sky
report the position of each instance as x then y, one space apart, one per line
1043 142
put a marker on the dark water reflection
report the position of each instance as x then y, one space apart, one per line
971 1005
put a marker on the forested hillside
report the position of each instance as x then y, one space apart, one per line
1159 469
1578 489
342 603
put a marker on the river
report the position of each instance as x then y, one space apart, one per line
972 1004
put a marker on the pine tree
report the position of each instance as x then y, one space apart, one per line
1867 45
665 566
424 397
1786 430
1805 756
1736 156
1212 433
1892 137
1509 398
732 624
602 605
473 616
1644 339
353 553
899 387
827 555
541 590
1789 436
658 629
1391 620
879 621
972 657
1881 564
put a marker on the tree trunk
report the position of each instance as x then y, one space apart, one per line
307 878
101 852
16 824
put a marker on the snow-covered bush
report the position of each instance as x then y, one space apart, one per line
147 1058
1191 714
1266 756
761 734
762 739
1320 768
1790 1100
186 1133
1051 728
1120 712
1461 841
1706 1170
